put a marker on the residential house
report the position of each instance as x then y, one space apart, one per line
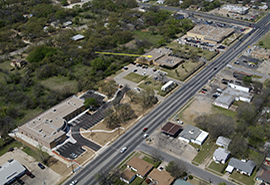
77 37
161 177
264 176
242 166
127 176
18 63
181 182
223 142
160 1
193 134
221 155
141 167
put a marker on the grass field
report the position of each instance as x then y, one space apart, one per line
152 38
151 161
216 167
59 83
134 77
207 149
243 178
266 41
229 113
151 84
204 53
183 71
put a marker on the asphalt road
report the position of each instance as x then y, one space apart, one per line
203 15
133 137
190 168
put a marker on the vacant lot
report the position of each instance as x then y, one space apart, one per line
185 48
134 77
183 71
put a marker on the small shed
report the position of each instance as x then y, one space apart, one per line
223 142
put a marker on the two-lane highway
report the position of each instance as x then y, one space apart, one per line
133 137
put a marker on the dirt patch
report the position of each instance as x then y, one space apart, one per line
199 106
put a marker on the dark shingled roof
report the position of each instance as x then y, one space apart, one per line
171 129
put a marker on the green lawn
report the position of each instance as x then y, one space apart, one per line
183 71
207 149
134 77
227 112
216 167
266 41
151 161
136 181
143 35
203 53
13 144
243 178
149 83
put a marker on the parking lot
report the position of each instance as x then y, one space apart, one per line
96 118
173 145
248 62
91 94
45 176
80 118
70 150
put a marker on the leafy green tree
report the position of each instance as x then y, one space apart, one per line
90 102
175 168
64 2
247 80
238 147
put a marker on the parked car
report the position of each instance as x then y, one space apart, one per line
125 68
236 62
11 149
154 70
73 182
20 181
145 129
135 70
41 166
30 174
123 150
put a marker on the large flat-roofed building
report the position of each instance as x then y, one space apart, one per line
156 54
10 171
168 61
193 134
209 33
236 9
48 129
229 95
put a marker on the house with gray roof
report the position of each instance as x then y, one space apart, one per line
193 134
242 166
221 155
223 142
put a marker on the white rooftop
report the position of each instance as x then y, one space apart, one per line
10 170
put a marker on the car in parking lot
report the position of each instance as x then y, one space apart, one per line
236 62
154 70
30 174
135 70
20 181
125 68
73 182
145 129
204 89
123 150
41 166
